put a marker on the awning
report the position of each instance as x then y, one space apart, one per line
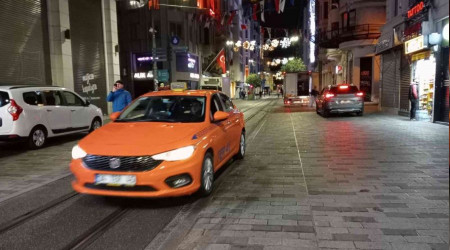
385 42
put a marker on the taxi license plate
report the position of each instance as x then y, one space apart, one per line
346 101
115 180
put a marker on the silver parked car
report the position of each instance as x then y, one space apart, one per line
338 99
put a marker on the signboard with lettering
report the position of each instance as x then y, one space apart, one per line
415 44
186 62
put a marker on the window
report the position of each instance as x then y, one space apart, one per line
334 4
4 98
183 109
215 105
227 103
52 98
350 90
176 30
349 20
395 8
325 10
33 98
72 100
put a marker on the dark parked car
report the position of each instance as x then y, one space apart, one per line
339 99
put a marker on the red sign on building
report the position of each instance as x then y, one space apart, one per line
416 9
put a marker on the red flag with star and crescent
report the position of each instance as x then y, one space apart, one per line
221 61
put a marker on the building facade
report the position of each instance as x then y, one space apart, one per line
348 33
414 48
68 43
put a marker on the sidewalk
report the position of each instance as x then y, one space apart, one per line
372 182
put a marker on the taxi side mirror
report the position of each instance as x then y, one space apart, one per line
114 116
220 116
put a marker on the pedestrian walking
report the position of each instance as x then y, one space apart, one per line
281 92
314 93
260 94
413 98
119 97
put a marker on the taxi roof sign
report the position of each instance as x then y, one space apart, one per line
178 86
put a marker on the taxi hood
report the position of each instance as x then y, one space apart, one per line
139 138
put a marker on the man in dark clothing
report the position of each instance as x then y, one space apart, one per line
413 98
313 98
119 97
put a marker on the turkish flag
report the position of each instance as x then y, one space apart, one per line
221 61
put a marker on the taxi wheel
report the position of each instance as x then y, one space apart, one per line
207 175
241 153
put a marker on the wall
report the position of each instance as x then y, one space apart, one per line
60 48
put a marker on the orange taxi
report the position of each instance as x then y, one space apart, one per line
165 143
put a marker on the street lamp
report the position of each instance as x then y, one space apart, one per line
155 67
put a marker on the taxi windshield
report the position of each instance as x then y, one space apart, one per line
165 109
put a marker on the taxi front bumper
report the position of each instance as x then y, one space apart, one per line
150 183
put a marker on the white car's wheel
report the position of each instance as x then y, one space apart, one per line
37 138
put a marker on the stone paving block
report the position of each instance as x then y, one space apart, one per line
218 247
402 232
411 246
265 241
350 237
301 229
423 239
231 240
282 222
439 246
337 244
291 235
373 245
266 228
299 243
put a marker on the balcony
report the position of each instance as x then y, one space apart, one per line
332 39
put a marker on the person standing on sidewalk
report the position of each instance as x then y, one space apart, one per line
413 97
119 97
312 100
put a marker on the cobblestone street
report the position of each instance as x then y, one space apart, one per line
372 182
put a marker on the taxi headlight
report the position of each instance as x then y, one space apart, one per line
78 153
175 155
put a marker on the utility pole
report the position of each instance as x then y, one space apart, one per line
155 67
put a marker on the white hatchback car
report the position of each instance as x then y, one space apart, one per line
34 113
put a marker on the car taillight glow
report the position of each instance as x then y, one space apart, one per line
329 95
343 87
15 110
360 94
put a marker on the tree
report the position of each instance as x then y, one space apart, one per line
254 80
214 69
293 66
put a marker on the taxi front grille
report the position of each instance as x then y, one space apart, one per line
120 164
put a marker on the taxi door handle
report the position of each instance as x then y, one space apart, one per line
73 110
49 110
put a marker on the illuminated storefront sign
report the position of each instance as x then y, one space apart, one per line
143 75
312 28
194 76
416 9
186 62
415 44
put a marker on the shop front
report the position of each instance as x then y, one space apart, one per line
423 72
143 77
